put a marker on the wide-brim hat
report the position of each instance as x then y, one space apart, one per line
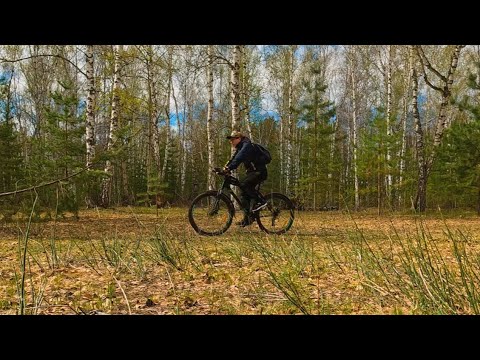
235 134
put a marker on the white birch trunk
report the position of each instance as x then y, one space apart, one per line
403 150
235 87
246 86
210 140
446 95
153 150
445 91
235 92
184 143
167 114
155 136
290 128
90 120
389 119
107 182
235 95
354 137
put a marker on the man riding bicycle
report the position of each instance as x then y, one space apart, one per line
256 172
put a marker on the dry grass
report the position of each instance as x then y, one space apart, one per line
129 261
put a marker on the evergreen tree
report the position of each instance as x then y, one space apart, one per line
373 160
317 164
10 153
60 153
11 170
456 178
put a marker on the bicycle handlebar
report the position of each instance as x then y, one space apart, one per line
220 171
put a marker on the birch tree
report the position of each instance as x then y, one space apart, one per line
390 50
351 58
167 112
407 89
443 85
290 128
112 136
90 118
235 87
210 140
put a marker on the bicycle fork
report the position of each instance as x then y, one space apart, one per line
215 206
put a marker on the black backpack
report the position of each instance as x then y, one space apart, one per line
262 153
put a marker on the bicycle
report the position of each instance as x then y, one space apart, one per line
211 213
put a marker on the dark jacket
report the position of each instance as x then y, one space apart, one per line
245 153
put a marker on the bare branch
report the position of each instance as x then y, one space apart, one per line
225 61
4 60
425 77
427 63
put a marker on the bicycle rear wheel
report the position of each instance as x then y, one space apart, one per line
211 214
277 217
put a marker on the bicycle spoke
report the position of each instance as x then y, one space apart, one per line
210 214
277 217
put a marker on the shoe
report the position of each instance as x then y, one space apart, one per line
245 222
258 206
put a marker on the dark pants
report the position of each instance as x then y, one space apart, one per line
248 195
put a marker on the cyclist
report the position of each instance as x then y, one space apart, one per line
256 172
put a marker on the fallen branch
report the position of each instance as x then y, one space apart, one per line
43 184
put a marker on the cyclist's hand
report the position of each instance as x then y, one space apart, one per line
226 171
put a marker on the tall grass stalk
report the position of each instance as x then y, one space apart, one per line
23 259
164 250
418 275
124 295
285 264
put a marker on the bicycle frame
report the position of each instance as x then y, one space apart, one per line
227 190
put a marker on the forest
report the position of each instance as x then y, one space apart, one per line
104 147
391 127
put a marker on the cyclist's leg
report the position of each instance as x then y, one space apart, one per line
262 177
249 184
245 202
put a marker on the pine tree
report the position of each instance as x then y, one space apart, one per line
61 153
317 117
456 177
11 170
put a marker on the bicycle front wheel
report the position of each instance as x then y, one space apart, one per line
211 214
277 217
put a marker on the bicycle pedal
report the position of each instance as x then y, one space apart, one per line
261 206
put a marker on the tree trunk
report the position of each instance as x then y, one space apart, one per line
112 136
90 120
184 142
420 199
289 176
354 136
403 149
246 95
426 163
210 140
389 119
179 135
235 92
235 87
167 114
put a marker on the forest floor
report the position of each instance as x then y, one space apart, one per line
134 261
